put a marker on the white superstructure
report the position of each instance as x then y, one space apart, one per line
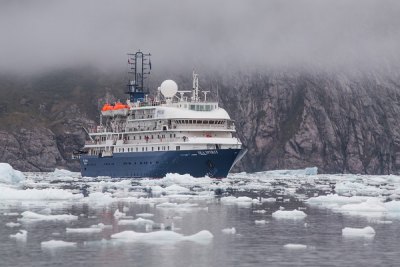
173 120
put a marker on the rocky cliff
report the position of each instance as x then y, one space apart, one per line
339 122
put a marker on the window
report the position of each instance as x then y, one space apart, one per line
178 147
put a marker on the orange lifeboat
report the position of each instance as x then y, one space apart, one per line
107 107
119 105
120 109
107 110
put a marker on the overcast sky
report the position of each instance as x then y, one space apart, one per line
41 35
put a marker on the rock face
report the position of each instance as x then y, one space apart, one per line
40 148
30 149
335 122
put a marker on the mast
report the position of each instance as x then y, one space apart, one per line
140 66
195 91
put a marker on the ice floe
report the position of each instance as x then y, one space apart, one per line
21 236
145 215
13 224
8 193
101 226
53 244
138 221
295 246
29 216
240 201
10 176
163 237
229 231
289 214
90 230
366 231
118 214
358 205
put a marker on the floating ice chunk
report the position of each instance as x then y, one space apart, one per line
334 200
259 211
52 244
182 208
383 222
295 246
311 171
392 206
355 188
306 171
29 216
175 189
145 215
163 237
289 214
371 205
13 224
118 214
366 231
125 209
270 199
7 193
230 231
240 201
10 176
99 199
101 226
138 221
20 236
260 221
167 205
63 175
83 230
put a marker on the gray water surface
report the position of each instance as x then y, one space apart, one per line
252 244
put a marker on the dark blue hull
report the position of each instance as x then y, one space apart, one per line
197 163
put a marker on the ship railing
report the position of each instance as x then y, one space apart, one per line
99 130
204 126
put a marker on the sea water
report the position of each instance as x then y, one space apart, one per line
279 218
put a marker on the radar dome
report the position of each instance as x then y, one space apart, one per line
169 88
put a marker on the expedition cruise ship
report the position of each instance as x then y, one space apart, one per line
174 132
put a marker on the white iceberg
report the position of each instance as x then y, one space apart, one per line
90 230
163 237
52 244
358 232
136 222
229 231
145 215
29 216
21 236
13 224
118 214
8 193
295 246
289 214
10 176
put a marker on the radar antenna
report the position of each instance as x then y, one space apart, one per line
195 94
140 66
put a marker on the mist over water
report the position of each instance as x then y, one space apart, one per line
43 35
